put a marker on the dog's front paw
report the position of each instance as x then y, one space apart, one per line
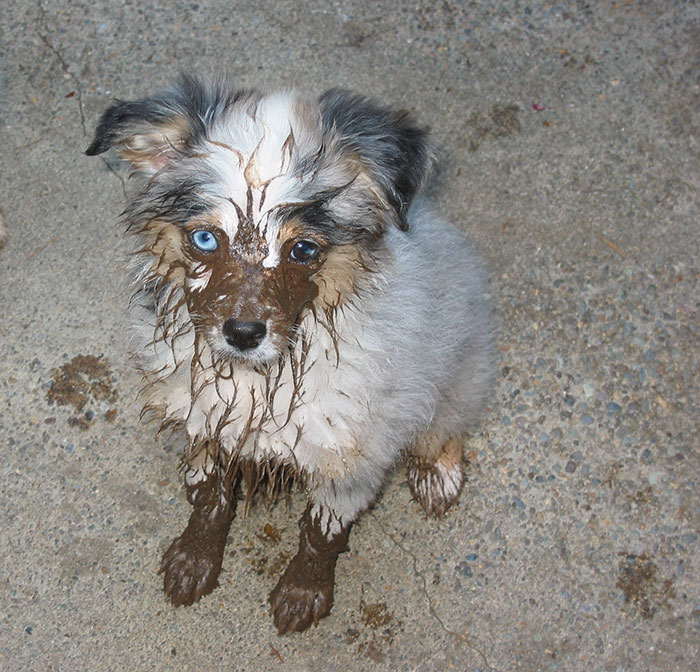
190 569
298 600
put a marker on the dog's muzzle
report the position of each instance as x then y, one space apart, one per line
244 335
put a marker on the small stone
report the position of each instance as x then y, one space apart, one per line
655 477
612 407
587 419
464 569
571 467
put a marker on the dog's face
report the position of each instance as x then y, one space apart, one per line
261 207
245 297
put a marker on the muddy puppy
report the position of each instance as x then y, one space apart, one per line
300 312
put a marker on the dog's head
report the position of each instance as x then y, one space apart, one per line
261 206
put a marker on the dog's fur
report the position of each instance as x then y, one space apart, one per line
327 359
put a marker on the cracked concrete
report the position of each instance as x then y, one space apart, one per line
569 136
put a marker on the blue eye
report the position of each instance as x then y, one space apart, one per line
304 251
203 240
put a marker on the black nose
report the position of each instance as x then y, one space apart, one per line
244 335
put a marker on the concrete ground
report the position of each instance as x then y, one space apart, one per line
570 135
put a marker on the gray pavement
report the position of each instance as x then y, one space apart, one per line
569 132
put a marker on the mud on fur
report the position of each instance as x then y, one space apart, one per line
299 311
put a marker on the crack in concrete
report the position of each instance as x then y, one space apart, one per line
431 607
44 37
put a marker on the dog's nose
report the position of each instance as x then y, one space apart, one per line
244 335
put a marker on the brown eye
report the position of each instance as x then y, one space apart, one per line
304 251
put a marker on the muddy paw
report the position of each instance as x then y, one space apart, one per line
296 604
436 487
190 570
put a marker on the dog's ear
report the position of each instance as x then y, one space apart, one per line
152 132
394 151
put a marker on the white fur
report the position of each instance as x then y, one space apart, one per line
255 154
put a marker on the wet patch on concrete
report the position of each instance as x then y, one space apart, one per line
644 591
501 121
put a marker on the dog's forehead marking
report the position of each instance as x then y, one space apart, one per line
252 151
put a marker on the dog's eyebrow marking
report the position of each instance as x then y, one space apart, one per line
323 197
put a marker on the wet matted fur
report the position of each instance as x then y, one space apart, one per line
300 311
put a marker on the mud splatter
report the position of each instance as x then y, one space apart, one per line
260 560
379 630
643 591
85 380
375 615
500 122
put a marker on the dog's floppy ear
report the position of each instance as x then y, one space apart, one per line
390 146
152 132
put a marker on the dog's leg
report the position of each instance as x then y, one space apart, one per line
304 593
435 473
192 563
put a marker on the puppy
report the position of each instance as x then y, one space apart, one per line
299 312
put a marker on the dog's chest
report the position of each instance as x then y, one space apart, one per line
312 415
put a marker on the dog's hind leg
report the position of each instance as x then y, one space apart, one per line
192 563
435 472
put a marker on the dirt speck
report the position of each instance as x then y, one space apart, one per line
637 578
351 635
270 534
